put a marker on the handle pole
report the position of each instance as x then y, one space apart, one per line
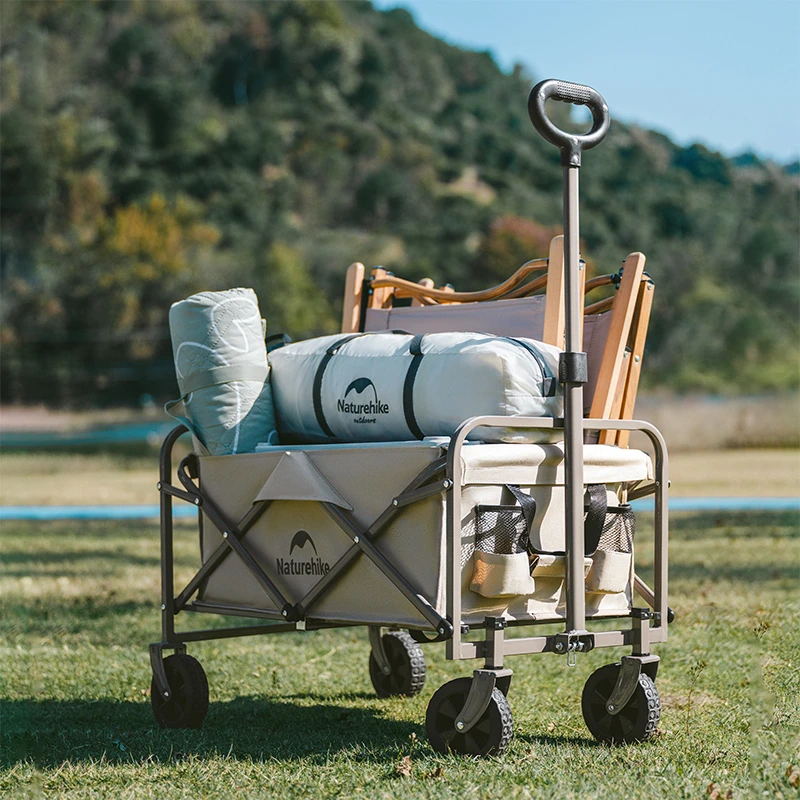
573 371
573 410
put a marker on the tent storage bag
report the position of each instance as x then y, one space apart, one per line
394 387
297 542
222 370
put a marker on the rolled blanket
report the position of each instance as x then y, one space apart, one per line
223 374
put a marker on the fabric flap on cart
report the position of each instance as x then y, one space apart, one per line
296 478
543 464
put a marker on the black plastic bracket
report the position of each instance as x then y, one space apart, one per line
573 368
629 670
483 684
292 613
157 664
444 630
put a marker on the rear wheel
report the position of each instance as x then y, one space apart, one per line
636 722
187 705
490 736
407 666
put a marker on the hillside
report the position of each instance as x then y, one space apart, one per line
153 149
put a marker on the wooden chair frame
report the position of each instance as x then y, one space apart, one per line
617 384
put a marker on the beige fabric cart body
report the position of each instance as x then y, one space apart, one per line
297 542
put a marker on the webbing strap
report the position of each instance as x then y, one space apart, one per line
549 382
415 348
593 522
528 505
217 375
316 390
595 517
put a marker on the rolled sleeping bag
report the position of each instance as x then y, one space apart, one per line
223 375
396 387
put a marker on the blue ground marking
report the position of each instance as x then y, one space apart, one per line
90 512
723 504
134 433
186 511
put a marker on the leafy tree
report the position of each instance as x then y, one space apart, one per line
149 150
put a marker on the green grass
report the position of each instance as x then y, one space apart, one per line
295 715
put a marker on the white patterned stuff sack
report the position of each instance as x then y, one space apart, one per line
218 342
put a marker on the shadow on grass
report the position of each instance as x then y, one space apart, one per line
557 741
48 733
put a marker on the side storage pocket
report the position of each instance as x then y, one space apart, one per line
611 563
500 561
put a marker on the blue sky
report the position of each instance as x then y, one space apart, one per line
722 72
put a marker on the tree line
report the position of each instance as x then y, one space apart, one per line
153 149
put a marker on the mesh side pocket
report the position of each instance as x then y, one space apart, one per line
500 530
619 528
612 561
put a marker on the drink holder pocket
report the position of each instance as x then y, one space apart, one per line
611 563
500 561
505 559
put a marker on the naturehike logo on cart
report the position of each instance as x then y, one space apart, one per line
300 539
311 566
365 411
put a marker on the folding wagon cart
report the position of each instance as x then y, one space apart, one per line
449 539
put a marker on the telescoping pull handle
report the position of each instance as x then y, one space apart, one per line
570 144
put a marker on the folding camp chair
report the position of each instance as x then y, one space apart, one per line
528 304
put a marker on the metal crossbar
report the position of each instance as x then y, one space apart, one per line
374 531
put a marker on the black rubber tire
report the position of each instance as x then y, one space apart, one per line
188 705
408 666
637 722
489 737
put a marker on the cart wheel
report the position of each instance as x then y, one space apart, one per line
188 706
637 722
407 661
489 737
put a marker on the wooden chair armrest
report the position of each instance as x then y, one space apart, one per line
404 288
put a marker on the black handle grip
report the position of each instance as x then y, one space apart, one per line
570 144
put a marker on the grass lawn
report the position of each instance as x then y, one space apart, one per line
296 716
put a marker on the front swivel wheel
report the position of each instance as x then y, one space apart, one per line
636 722
187 705
490 736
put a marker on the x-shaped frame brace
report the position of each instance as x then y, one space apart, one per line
425 484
